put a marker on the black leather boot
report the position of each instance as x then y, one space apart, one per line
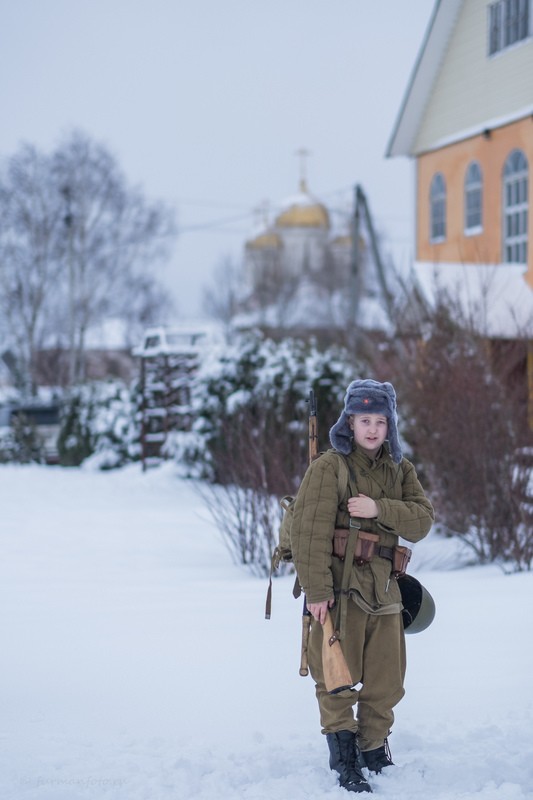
376 760
344 759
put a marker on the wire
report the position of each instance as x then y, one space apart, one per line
217 223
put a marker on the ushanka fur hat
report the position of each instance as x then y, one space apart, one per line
371 397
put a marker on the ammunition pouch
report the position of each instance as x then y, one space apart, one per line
367 546
400 561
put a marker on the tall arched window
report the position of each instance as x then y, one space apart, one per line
437 202
473 199
515 208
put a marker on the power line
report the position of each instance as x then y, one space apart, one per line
213 224
218 224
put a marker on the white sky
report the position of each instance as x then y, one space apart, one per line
205 103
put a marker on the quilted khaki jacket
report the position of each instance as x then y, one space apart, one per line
403 510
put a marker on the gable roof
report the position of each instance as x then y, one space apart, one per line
425 70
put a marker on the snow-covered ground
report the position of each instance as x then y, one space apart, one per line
136 663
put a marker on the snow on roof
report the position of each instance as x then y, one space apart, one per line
495 298
111 334
299 199
179 339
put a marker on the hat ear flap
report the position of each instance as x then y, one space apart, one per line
388 388
341 435
394 441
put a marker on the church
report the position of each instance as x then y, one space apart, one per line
302 271
298 242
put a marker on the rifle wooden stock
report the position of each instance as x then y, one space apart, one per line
336 673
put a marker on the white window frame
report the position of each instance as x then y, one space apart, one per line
509 23
437 209
473 199
515 208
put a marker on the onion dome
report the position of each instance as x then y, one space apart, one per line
303 211
268 240
343 240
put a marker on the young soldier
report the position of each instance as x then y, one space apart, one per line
384 500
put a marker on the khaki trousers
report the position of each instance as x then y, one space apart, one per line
374 649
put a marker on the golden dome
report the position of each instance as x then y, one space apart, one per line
303 211
265 241
343 240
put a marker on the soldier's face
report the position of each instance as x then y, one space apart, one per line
369 431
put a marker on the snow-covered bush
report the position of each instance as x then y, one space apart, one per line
251 414
98 420
20 443
250 436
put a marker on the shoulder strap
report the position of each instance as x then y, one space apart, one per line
345 477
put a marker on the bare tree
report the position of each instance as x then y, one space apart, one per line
254 468
77 246
113 239
30 235
222 297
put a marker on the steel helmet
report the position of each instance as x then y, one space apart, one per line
418 605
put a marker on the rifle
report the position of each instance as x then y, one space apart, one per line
313 427
313 453
336 673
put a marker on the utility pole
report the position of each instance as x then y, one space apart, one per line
355 271
374 246
69 225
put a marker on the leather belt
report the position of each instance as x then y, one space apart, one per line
339 546
383 552
386 552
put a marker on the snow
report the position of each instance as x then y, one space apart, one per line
137 664
494 297
299 200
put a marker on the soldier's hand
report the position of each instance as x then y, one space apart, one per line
319 610
362 506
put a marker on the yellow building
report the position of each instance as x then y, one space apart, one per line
467 121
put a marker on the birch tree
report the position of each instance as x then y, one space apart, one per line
113 240
30 235
78 246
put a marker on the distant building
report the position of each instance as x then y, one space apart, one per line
467 121
297 242
300 275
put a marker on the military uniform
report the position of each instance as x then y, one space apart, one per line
373 643
368 599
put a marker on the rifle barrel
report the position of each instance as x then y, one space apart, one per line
313 427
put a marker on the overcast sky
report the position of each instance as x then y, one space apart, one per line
204 103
